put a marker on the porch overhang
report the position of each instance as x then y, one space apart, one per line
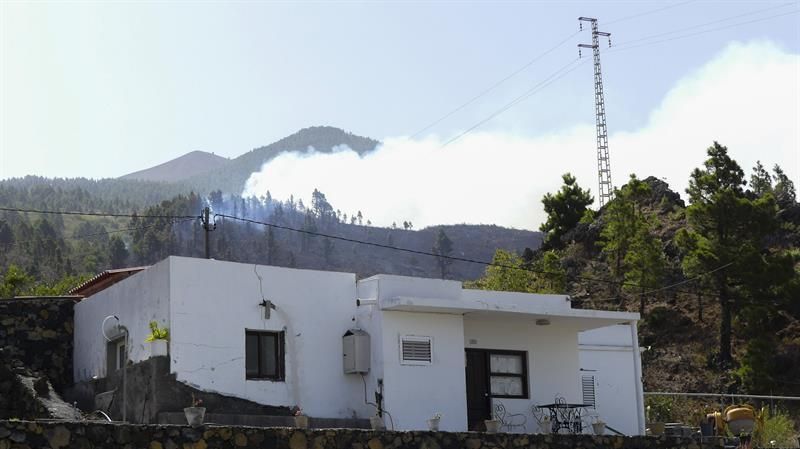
537 314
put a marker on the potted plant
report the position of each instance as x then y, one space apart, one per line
492 425
433 423
195 413
300 419
376 422
598 426
545 425
158 338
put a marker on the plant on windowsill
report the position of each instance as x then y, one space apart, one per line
433 423
300 419
195 413
158 338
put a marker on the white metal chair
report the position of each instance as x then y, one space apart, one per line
509 421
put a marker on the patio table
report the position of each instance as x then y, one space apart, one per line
566 416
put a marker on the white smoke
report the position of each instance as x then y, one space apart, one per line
747 98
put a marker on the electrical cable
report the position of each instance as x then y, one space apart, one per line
558 74
83 236
454 258
647 13
494 86
627 44
533 61
92 214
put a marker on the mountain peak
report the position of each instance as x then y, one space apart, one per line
190 164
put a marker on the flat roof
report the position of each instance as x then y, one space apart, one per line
582 319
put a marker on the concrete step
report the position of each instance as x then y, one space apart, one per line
265 421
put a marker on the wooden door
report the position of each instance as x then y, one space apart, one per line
477 377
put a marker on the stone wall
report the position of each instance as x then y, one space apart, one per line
38 332
88 435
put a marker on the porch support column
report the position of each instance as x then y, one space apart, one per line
637 369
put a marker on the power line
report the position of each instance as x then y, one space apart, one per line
530 63
494 86
647 13
560 73
667 33
92 214
453 258
96 234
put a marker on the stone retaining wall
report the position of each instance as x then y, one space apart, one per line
38 332
88 435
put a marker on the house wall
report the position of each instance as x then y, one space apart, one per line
552 353
370 319
136 300
414 393
608 354
214 302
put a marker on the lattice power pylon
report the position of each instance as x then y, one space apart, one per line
603 161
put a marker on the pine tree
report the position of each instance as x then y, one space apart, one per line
564 210
443 247
725 234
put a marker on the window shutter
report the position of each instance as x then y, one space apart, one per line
416 350
587 386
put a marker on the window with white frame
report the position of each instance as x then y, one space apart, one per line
508 374
416 350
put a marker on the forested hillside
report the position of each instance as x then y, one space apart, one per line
48 247
126 193
717 281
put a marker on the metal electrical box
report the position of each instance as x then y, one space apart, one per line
355 344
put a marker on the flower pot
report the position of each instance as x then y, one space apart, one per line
656 428
599 428
376 422
492 425
195 415
158 348
546 426
301 421
433 424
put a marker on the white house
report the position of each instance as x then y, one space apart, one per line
283 336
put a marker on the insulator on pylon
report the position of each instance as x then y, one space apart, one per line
609 42
579 53
580 25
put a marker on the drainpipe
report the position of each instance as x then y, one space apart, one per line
637 370
125 375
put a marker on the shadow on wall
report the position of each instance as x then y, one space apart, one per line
152 390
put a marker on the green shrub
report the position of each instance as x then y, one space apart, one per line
779 428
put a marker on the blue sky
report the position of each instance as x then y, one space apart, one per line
100 89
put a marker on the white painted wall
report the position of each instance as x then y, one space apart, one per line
136 300
414 393
208 305
608 354
212 304
552 353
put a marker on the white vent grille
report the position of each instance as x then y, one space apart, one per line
416 350
587 385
